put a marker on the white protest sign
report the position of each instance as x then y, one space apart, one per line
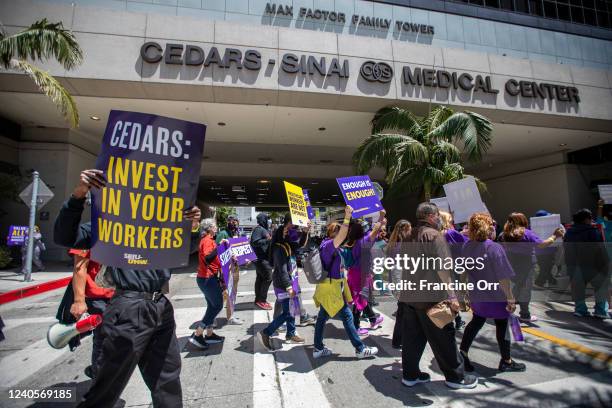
441 203
605 192
464 199
545 226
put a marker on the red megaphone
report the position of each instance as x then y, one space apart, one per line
59 335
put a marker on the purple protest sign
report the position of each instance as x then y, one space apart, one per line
152 166
359 193
241 248
227 268
309 210
17 235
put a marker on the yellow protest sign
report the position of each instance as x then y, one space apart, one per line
297 204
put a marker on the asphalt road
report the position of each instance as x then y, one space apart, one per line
563 369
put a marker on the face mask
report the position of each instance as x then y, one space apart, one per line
293 235
439 224
269 224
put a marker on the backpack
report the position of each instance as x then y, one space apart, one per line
313 266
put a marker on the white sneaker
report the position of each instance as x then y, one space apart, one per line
321 353
367 352
234 321
469 381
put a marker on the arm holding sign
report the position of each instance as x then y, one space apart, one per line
341 236
67 231
378 226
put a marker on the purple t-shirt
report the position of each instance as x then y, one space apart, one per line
327 250
488 303
455 241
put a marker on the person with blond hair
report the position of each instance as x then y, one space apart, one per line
520 243
497 303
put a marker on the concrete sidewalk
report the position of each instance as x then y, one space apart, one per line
12 286
12 279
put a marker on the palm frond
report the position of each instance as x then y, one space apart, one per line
52 88
41 41
444 152
412 153
377 150
438 115
395 118
472 129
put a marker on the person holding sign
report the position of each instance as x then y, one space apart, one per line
333 295
519 242
260 241
230 231
138 310
210 281
286 241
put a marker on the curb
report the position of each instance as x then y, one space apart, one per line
36 289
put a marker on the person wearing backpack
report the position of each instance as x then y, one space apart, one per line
333 295
286 241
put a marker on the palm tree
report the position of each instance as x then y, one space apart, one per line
41 41
421 154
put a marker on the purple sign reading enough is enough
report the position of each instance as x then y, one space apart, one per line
359 193
152 167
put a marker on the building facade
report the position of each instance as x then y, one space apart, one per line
288 90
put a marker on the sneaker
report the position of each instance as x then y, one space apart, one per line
307 321
422 378
602 316
366 317
582 314
295 339
469 381
321 353
264 339
511 366
282 329
198 341
234 321
214 339
529 319
467 364
264 305
362 331
367 352
376 324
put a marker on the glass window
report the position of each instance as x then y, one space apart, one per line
577 16
535 7
506 5
522 6
603 20
550 9
492 3
600 5
589 17
477 2
588 4
564 13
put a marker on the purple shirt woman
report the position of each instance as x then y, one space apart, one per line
495 299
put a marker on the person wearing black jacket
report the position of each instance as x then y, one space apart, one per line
138 325
286 241
587 262
260 241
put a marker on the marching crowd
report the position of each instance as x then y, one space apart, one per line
138 328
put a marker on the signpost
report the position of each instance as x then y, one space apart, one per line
37 193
